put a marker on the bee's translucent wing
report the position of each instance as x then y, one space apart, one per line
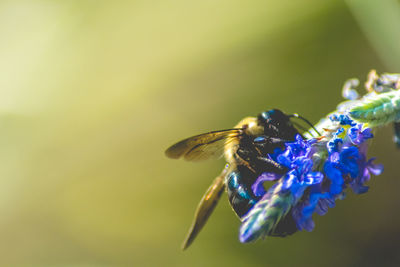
203 146
206 207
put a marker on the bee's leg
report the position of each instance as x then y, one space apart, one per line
256 158
239 184
267 145
245 157
268 165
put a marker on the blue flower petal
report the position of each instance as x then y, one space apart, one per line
313 178
375 169
258 186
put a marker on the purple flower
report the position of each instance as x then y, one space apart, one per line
318 202
297 158
318 173
336 142
342 119
366 168
346 164
358 135
258 186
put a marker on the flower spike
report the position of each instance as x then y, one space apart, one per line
320 169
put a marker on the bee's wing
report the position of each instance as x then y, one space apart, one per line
203 146
206 207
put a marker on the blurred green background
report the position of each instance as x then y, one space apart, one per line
93 92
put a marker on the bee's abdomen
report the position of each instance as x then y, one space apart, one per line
240 193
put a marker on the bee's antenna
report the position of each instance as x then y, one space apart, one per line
305 120
302 128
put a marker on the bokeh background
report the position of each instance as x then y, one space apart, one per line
93 92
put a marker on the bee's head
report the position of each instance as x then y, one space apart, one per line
272 116
276 123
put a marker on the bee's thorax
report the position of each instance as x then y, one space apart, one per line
251 128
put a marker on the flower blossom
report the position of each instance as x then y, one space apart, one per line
312 186
319 170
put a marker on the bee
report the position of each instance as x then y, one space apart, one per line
245 148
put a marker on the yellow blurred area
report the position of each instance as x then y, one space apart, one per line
92 92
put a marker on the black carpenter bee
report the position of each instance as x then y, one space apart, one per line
245 148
